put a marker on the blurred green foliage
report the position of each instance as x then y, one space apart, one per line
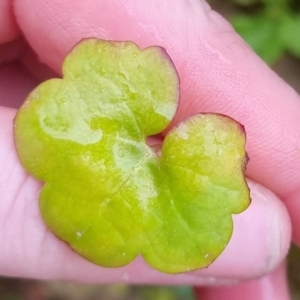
166 293
17 289
270 27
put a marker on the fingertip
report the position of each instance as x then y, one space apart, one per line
270 287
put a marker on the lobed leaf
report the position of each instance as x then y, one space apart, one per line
107 193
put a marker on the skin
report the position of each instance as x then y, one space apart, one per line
218 73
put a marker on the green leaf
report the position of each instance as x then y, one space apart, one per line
246 2
290 35
110 195
278 3
262 34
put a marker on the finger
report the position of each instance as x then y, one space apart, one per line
218 72
22 55
35 67
270 287
20 73
15 84
28 249
8 26
11 51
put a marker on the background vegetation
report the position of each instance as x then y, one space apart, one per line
271 27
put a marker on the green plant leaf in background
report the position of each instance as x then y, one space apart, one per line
246 2
262 34
276 3
110 195
290 35
272 31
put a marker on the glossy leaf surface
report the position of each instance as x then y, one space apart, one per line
107 193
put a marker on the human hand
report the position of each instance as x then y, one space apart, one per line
218 73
